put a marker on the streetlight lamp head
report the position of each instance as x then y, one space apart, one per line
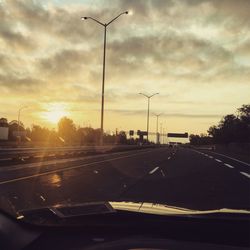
126 12
84 18
129 12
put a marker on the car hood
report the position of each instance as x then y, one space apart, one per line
98 208
163 209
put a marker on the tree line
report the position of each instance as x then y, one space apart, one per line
232 128
69 134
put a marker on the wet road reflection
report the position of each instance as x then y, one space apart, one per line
55 180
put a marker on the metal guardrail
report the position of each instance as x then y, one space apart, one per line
21 153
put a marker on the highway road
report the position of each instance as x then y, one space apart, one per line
183 177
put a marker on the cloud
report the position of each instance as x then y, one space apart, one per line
239 9
4 61
194 115
58 21
63 63
183 49
16 84
228 7
180 115
16 40
10 35
244 49
168 55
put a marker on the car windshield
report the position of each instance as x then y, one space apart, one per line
125 101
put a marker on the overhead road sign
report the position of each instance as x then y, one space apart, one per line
178 135
142 133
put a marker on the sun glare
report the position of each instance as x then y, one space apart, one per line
54 113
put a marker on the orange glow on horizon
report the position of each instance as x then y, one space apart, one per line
54 113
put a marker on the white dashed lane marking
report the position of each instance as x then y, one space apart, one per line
152 171
42 198
228 165
245 163
245 174
218 160
163 174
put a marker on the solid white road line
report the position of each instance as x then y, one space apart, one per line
152 171
218 160
233 159
228 165
246 174
69 168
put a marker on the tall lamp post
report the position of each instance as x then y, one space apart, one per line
163 136
18 119
105 25
166 132
161 133
149 97
157 134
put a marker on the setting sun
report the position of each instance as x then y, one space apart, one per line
54 113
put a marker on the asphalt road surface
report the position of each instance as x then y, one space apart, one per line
181 177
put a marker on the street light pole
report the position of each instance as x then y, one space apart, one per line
18 119
166 132
163 139
105 25
103 82
157 136
148 96
148 118
161 132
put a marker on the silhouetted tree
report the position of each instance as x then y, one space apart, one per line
88 135
233 128
109 139
28 132
39 134
200 139
122 137
67 130
13 128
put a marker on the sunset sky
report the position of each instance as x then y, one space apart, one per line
195 53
